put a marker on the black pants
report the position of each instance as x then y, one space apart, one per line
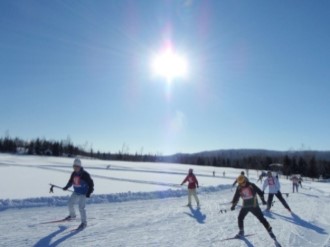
280 197
256 212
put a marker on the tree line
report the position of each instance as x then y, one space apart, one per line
304 163
307 165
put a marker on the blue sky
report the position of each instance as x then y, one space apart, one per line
259 74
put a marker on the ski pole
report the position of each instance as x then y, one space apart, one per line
52 186
223 211
225 203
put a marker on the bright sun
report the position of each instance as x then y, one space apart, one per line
170 65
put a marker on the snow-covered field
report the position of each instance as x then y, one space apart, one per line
142 204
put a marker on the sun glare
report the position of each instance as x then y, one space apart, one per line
169 65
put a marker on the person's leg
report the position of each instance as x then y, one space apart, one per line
242 213
82 210
194 193
284 203
71 202
270 200
189 196
258 213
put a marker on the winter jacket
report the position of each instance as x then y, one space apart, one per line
295 180
249 195
192 181
272 183
81 182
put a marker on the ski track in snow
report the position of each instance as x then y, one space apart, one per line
160 218
166 222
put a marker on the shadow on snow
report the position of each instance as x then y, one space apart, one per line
45 242
295 219
197 215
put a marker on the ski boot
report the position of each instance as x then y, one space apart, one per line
240 234
82 226
70 217
271 234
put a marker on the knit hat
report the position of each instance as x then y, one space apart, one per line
77 162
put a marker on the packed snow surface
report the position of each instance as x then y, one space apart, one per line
142 204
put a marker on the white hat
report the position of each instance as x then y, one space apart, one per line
77 162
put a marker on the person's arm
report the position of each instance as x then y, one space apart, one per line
90 183
265 184
235 199
277 184
196 181
69 184
259 192
185 180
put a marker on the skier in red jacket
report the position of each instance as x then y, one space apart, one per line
192 185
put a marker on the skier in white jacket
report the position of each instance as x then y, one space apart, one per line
274 189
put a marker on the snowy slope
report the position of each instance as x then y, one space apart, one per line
139 221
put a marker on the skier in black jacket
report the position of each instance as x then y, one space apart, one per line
83 187
248 192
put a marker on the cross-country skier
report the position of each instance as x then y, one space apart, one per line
295 183
83 187
192 185
263 174
274 189
248 192
300 181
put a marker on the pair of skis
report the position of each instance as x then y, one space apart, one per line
277 244
79 228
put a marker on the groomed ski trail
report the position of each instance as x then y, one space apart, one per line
164 222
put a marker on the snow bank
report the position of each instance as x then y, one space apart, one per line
106 198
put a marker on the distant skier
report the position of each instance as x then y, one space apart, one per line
192 185
300 181
274 189
213 173
224 173
83 187
248 192
242 174
295 183
263 174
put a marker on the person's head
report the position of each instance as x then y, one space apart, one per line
190 171
242 173
269 174
77 165
241 180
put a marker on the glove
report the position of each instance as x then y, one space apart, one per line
65 188
263 193
263 201
88 195
232 208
